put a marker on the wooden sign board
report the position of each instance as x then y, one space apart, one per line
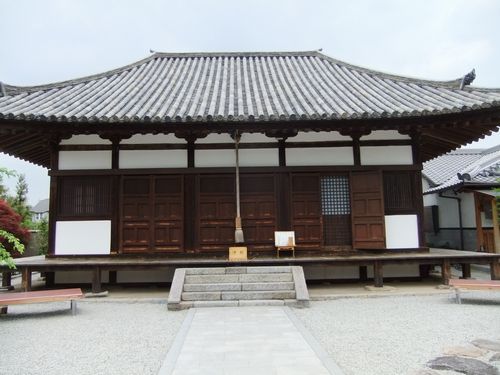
238 253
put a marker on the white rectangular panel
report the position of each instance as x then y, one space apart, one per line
84 160
401 231
264 157
319 156
153 159
216 138
214 158
90 237
386 155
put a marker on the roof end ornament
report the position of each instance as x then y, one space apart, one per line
468 79
3 92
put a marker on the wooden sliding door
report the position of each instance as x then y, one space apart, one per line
152 214
368 226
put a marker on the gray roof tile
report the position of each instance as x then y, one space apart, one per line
239 87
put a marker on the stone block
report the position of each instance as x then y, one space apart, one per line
260 277
174 295
206 271
465 351
201 296
462 365
256 295
215 304
211 279
268 286
271 269
235 270
302 294
262 302
487 344
212 287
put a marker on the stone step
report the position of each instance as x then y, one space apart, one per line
216 287
236 270
238 278
258 295
201 296
268 286
228 303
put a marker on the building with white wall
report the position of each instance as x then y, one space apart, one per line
460 199
142 158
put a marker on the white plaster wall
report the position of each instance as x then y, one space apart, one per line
331 273
319 136
264 157
386 155
401 231
214 158
430 200
256 138
162 275
153 159
78 277
84 160
397 270
85 139
384 135
91 237
468 210
319 156
152 138
448 211
216 138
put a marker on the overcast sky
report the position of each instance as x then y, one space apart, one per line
54 40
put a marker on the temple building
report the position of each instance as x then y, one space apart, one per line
142 159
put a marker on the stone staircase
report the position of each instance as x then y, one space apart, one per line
238 286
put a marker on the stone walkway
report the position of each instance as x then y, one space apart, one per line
246 340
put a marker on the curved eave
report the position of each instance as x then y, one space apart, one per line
439 134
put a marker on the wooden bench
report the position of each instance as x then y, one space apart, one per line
459 284
21 298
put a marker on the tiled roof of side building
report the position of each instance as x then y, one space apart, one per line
481 165
189 87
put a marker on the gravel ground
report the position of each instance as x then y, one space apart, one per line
103 338
398 335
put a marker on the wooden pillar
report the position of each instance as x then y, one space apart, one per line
112 277
96 280
50 279
363 273
423 270
115 195
26 279
282 152
7 280
479 224
466 274
190 207
378 274
496 229
356 148
446 271
495 269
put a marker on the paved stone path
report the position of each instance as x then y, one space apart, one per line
246 340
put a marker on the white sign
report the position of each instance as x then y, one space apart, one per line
284 239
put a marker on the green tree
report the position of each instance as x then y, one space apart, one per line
19 201
8 241
4 172
43 236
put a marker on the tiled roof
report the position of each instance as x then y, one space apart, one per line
41 207
239 87
481 165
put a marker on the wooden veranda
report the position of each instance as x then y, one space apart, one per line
97 264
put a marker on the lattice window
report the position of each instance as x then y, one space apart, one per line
399 192
84 196
336 210
335 197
